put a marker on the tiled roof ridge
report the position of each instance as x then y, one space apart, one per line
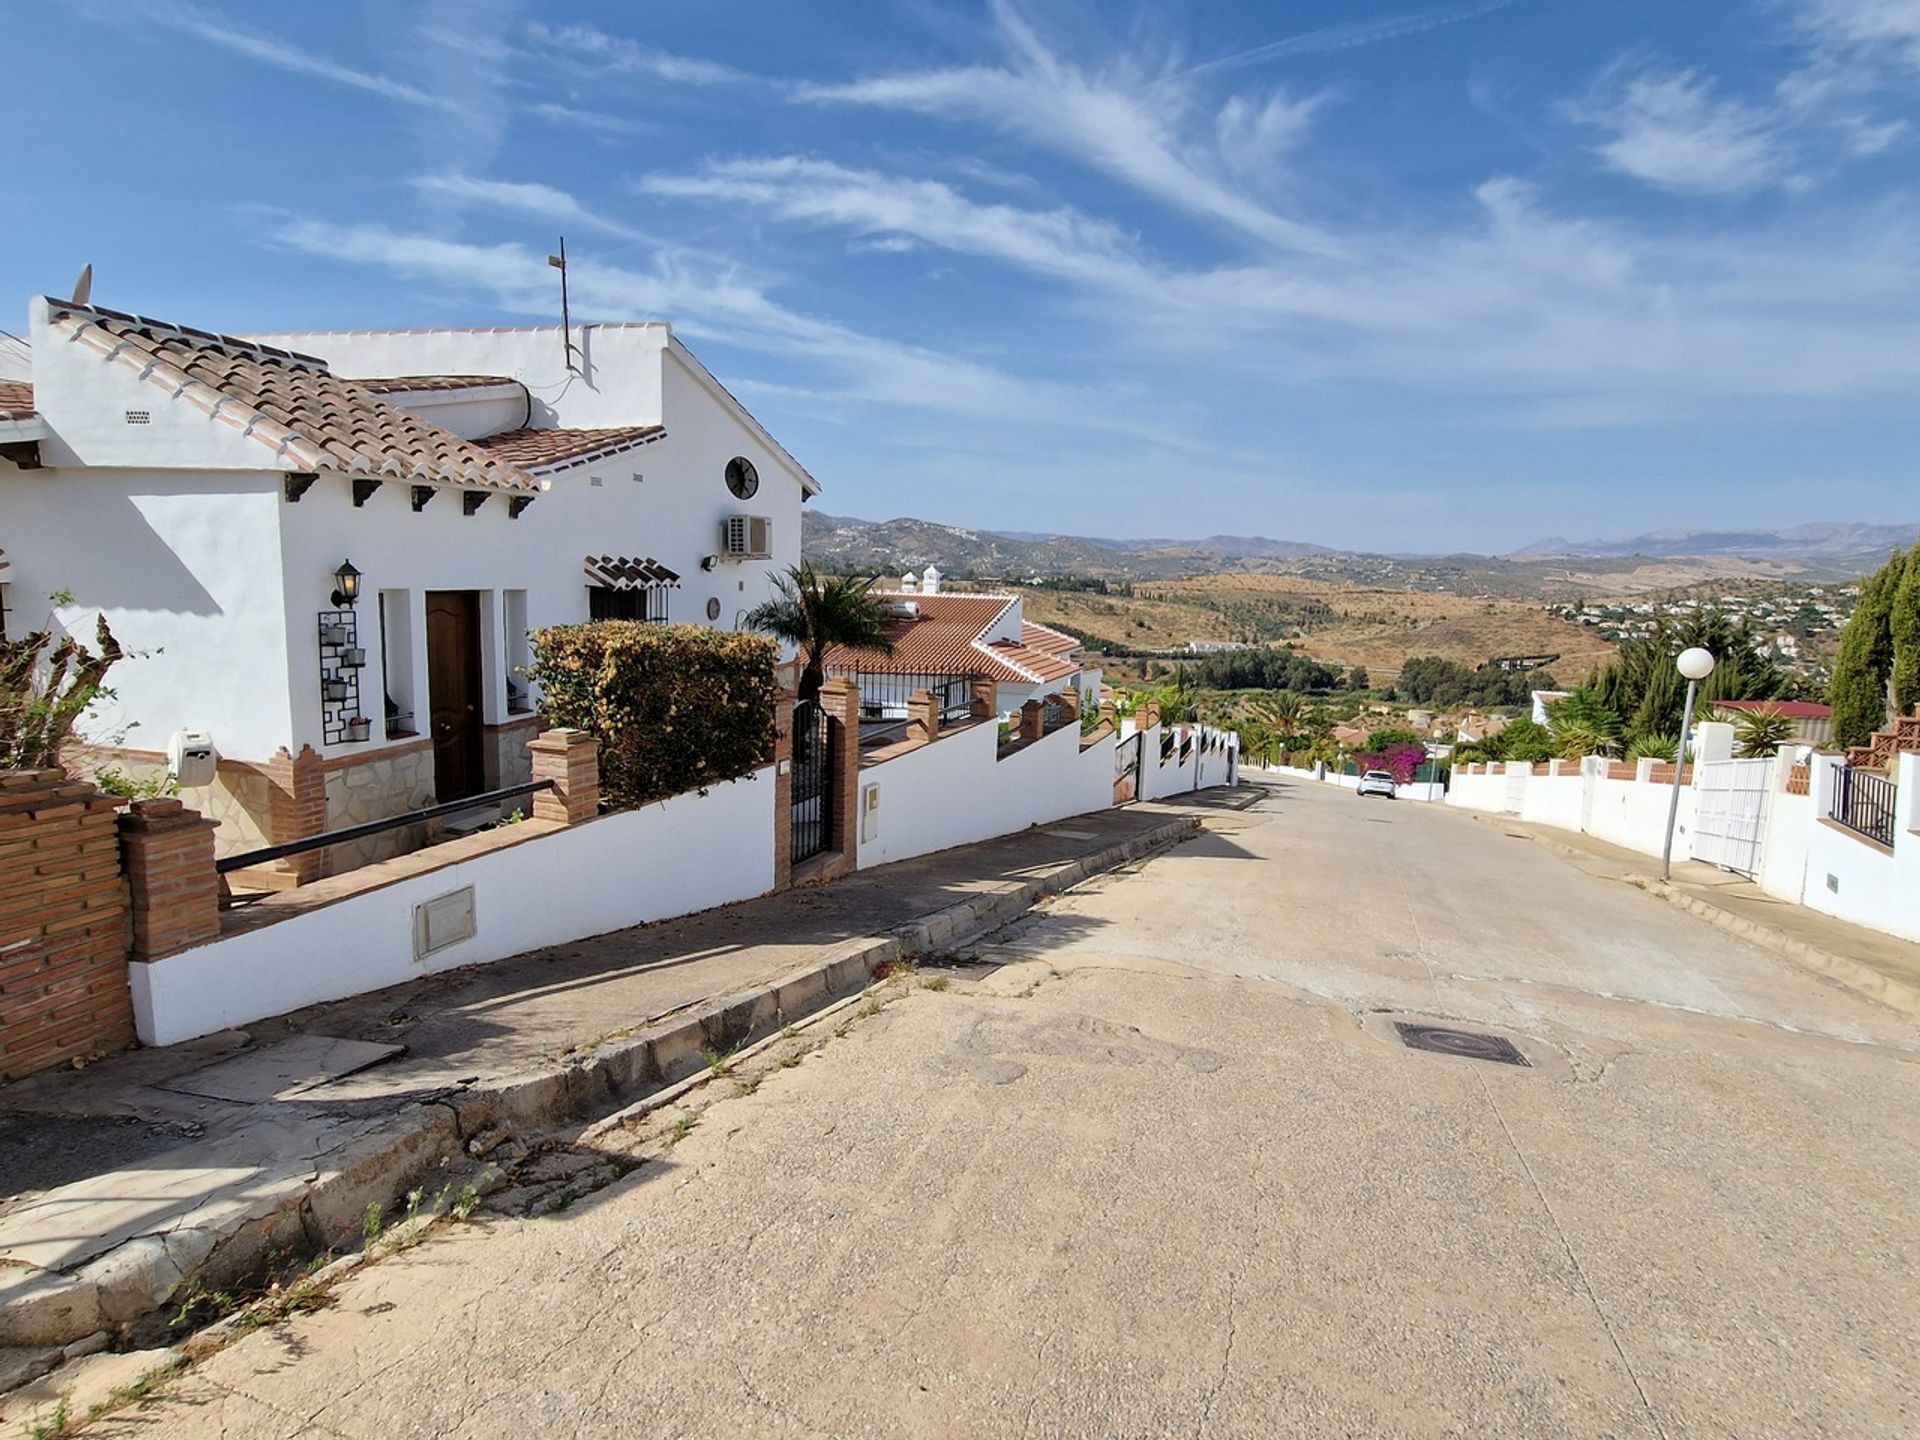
62 309
386 457
389 384
482 329
986 647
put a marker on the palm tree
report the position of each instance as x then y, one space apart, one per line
814 612
1760 733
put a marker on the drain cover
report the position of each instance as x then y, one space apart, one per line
1467 1044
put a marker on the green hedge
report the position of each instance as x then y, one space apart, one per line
675 707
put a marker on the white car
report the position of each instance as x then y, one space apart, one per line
1375 782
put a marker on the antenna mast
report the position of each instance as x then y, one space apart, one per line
559 262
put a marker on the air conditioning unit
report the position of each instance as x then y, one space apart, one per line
746 537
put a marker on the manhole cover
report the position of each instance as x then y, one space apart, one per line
1467 1044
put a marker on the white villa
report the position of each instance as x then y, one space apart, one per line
326 549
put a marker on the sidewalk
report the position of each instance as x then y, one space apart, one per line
156 1165
1875 964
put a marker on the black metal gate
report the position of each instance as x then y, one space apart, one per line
812 828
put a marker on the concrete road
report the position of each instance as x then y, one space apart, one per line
1168 1172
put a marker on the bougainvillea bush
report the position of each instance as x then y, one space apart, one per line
675 707
1399 761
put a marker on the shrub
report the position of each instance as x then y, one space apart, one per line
675 707
44 691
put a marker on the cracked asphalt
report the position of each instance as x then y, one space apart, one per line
1165 1171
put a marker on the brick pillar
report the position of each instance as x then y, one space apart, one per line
173 889
1110 713
1070 702
783 793
571 759
985 697
1033 721
923 716
1152 716
297 808
840 699
63 924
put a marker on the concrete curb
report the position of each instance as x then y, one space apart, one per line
48 1309
1895 994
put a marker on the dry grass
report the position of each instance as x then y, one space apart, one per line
1375 626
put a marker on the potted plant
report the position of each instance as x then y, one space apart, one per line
333 689
353 657
334 635
357 728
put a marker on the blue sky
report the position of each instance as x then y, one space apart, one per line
1379 275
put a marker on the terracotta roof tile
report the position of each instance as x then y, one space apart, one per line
560 449
310 418
16 400
391 384
945 639
1052 642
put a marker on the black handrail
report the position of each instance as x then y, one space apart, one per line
375 827
1863 802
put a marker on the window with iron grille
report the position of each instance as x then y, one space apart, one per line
648 603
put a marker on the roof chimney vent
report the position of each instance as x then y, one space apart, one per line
930 581
909 583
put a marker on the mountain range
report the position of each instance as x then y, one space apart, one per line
1822 551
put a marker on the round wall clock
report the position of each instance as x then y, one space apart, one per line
742 479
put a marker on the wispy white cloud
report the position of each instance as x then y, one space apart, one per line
219 30
1864 28
517 198
619 54
1059 242
1671 129
1354 34
1125 120
598 121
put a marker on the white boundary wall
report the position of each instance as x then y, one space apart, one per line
682 855
1425 790
956 791
1200 769
1804 858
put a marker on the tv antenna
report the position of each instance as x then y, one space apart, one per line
559 262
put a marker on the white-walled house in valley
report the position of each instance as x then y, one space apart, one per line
326 550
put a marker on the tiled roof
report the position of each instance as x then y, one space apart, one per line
623 572
16 400
1053 642
945 639
310 419
392 384
560 449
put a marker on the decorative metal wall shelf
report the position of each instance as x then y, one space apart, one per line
341 658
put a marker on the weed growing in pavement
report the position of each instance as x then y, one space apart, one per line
414 1197
717 1062
54 1426
373 1222
871 1008
464 1203
935 983
683 1127
906 965
748 1086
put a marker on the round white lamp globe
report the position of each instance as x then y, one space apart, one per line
1696 664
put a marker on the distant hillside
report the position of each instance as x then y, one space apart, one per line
1835 549
908 544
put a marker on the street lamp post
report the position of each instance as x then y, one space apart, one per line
1696 664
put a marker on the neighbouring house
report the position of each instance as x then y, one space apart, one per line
1813 723
946 642
1543 703
327 549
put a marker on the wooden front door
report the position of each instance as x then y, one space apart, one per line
453 692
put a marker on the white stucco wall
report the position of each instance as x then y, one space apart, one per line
686 854
189 580
956 791
1853 880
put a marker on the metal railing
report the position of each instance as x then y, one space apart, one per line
1863 802
375 827
884 695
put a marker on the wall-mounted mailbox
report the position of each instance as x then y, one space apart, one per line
191 758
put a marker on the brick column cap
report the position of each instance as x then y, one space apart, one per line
561 739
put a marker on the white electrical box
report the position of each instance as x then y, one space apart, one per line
870 812
191 758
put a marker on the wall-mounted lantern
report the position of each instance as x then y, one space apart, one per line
348 580
707 562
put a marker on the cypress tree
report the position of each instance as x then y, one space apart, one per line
1865 662
1904 627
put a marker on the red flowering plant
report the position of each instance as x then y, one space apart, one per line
1399 760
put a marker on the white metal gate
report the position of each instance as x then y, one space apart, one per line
1730 813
